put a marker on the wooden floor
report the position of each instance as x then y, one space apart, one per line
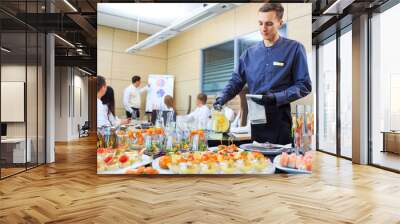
386 159
10 171
69 191
5 172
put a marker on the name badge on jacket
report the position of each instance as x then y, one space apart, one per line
278 63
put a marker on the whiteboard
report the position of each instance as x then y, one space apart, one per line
12 101
160 86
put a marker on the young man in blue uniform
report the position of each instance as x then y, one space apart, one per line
275 68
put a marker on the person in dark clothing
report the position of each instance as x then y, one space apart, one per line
275 68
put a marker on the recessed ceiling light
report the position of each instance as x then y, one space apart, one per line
5 50
84 71
64 40
71 6
337 7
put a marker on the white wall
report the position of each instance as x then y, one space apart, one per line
80 98
70 84
61 103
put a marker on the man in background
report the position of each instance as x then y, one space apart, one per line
131 98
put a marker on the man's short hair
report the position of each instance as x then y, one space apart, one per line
276 7
202 97
100 82
135 78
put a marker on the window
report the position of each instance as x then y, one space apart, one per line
327 96
346 93
218 64
22 71
385 89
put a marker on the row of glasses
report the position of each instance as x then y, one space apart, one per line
303 128
106 137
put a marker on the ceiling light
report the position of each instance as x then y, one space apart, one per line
71 6
64 40
338 6
5 50
84 71
206 12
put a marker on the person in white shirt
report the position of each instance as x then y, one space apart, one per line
102 110
202 114
131 99
109 102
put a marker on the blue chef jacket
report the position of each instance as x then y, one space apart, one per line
280 69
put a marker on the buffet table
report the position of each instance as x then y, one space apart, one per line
157 150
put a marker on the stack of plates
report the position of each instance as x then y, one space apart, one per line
267 149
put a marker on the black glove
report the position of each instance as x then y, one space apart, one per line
218 104
266 100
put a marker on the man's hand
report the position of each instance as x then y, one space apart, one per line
266 100
218 104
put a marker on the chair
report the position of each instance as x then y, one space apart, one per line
84 130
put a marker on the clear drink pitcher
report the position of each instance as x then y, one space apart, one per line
220 122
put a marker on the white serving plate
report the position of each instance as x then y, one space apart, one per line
155 165
145 161
268 170
287 169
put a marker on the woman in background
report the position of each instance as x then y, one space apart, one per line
166 109
169 108
169 103
102 119
109 102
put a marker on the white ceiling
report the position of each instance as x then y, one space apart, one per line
153 17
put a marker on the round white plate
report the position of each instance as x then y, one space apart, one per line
145 160
273 151
288 170
155 164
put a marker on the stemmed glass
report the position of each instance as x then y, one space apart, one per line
298 134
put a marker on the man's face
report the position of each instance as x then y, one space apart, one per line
136 84
269 24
